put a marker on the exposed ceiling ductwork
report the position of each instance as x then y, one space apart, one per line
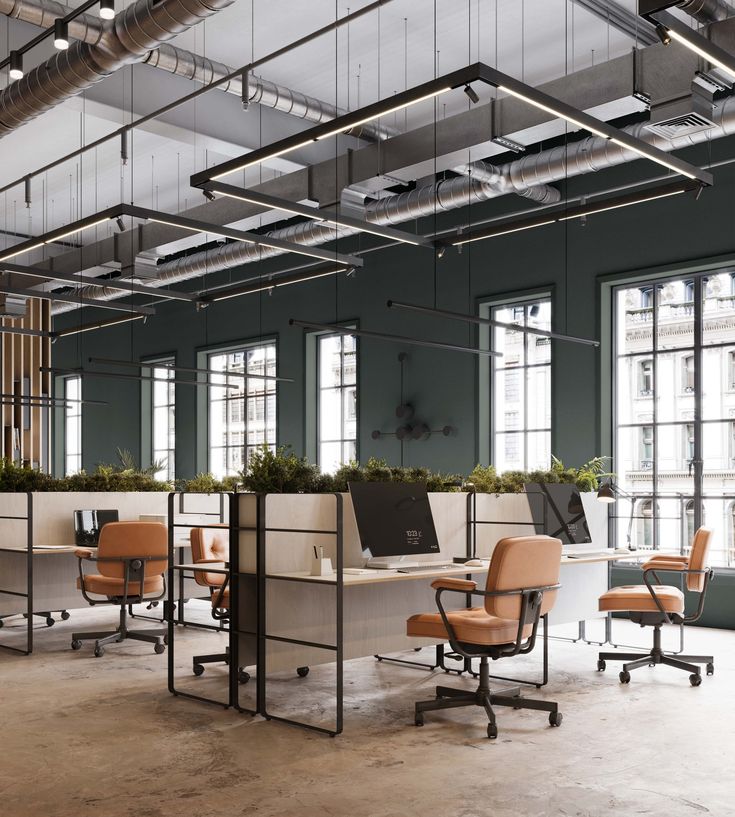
707 11
623 20
127 39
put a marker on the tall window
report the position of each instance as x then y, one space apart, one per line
521 385
72 426
674 453
337 395
163 437
242 411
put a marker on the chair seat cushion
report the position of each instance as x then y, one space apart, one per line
473 626
636 598
111 586
222 603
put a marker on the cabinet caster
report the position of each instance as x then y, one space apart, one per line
492 730
198 669
710 669
624 677
555 718
242 676
418 720
50 621
98 651
695 679
76 644
601 665
159 648
65 615
302 672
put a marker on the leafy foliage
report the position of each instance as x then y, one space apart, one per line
206 483
587 477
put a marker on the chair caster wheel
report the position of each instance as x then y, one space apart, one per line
418 720
555 718
65 615
710 669
165 639
198 669
159 648
302 672
76 644
492 730
601 665
99 652
2 623
50 621
242 676
695 679
417 649
624 677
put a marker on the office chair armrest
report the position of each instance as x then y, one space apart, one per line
217 611
665 564
465 585
210 561
84 553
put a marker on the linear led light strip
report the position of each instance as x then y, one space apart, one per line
578 212
139 377
37 398
675 35
592 129
310 212
53 238
341 129
174 368
248 289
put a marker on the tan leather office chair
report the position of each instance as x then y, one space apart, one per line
521 587
209 545
654 605
131 558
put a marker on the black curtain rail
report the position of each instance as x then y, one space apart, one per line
153 365
138 377
236 74
363 333
515 327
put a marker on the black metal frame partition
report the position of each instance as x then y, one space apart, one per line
28 595
264 637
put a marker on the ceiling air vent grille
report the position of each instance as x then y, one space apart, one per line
682 125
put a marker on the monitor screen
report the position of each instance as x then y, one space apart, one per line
88 524
394 518
561 514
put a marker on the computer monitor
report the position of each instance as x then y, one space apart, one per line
394 520
560 513
88 524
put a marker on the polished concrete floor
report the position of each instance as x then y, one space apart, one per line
102 736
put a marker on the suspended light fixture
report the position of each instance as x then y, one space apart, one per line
117 376
15 70
364 333
61 34
107 9
175 368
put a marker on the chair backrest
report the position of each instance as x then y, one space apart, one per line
521 562
207 544
698 559
127 539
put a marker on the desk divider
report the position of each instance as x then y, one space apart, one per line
28 595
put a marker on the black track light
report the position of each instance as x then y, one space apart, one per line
15 65
208 195
120 224
663 34
61 35
472 94
107 9
440 252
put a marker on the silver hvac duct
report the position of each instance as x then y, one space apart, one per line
627 22
42 13
707 11
127 39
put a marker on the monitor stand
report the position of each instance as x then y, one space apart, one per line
390 563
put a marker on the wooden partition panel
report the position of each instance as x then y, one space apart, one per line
26 429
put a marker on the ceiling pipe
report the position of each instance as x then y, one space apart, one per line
125 40
707 11
627 22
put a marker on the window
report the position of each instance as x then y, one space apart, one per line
646 447
645 525
337 399
645 378
242 412
731 371
163 425
73 426
687 373
646 297
689 291
688 448
521 388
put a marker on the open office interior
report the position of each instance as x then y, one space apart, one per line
368 407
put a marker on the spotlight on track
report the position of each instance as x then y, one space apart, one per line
107 9
208 195
472 94
120 224
15 65
663 34
61 35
